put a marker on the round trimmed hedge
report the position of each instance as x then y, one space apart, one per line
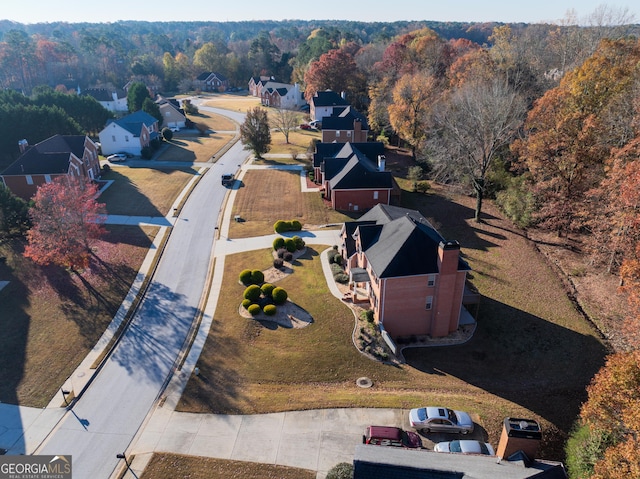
278 243
269 309
245 277
254 309
279 295
246 303
257 276
252 293
267 288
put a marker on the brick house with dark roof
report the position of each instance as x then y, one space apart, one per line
211 81
345 125
353 175
58 156
413 278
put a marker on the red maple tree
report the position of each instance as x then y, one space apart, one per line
66 220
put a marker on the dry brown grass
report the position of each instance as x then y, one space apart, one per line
50 318
195 148
270 195
532 354
299 141
171 466
243 102
143 191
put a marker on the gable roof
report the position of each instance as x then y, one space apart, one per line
399 242
360 173
133 122
371 149
344 119
328 98
50 156
104 94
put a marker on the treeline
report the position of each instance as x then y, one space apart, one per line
43 114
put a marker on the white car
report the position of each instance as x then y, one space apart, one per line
440 419
465 446
117 157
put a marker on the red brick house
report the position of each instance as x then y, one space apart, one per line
413 278
353 175
345 125
211 81
58 156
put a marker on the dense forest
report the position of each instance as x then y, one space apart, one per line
542 118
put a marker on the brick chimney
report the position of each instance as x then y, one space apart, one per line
519 435
23 145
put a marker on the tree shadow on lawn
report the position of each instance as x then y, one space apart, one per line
124 198
451 219
522 358
15 325
90 300
150 345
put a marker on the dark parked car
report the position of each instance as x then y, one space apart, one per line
391 436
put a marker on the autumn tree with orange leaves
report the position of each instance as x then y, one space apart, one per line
67 219
337 70
608 441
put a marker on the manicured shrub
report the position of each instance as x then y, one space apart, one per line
246 303
278 243
281 251
280 226
252 293
167 134
269 309
257 276
146 152
336 269
337 259
332 255
290 245
279 295
245 277
267 288
254 309
288 256
299 242
341 278
278 263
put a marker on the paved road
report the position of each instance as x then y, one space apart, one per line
106 418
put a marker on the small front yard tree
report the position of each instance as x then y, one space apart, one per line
254 132
66 220
284 121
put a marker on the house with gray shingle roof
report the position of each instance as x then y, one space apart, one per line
412 277
282 95
113 99
344 125
211 81
324 102
353 175
129 134
55 157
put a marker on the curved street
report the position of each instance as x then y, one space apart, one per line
127 405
